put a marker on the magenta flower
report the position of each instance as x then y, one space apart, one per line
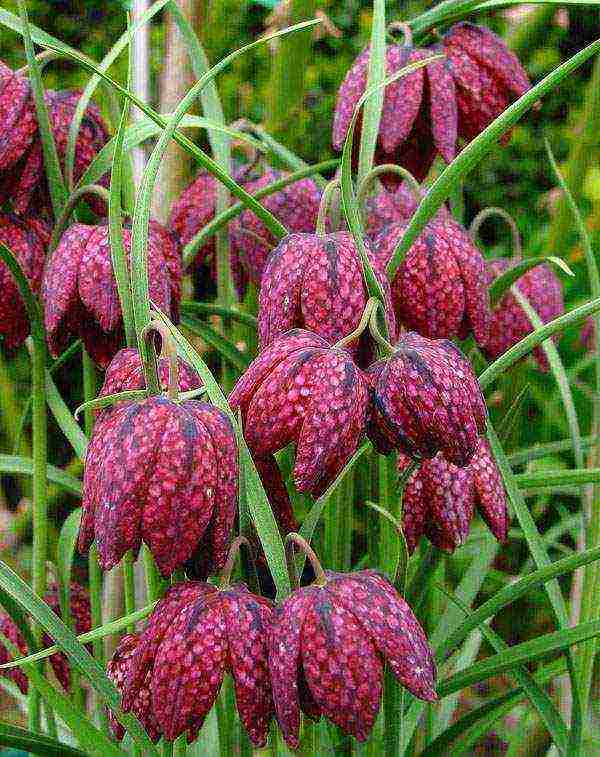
195 635
440 500
425 398
80 609
80 291
317 283
18 121
26 239
440 289
163 472
9 629
301 390
327 647
388 207
510 322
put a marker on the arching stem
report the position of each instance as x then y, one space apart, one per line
294 539
486 213
168 350
70 206
326 200
43 58
387 348
232 555
371 305
367 183
404 29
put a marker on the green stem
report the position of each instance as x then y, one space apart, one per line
366 184
39 509
486 213
326 200
129 587
74 198
297 540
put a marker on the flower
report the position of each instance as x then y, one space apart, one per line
440 499
24 238
488 77
301 390
117 671
425 398
419 116
327 646
163 472
80 294
388 207
440 289
296 206
23 180
9 629
317 283
510 322
80 609
195 635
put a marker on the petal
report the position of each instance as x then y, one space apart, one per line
490 495
189 668
276 491
284 658
247 619
444 111
449 493
392 627
415 510
349 93
225 449
342 668
279 297
97 284
59 287
402 98
333 422
178 495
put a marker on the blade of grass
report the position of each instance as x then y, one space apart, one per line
24 465
223 346
506 280
32 743
374 105
68 425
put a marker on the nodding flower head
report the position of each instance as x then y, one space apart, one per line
328 644
425 398
440 499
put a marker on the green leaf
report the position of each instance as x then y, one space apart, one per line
549 479
210 308
472 154
221 344
538 451
374 105
508 278
520 654
56 186
24 465
537 696
34 743
65 550
67 423
15 587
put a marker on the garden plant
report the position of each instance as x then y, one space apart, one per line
304 461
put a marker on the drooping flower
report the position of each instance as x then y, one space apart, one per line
117 671
440 499
387 207
425 398
24 180
80 291
510 323
488 76
9 629
296 206
164 472
23 238
80 609
419 116
195 635
327 647
301 390
317 283
440 289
